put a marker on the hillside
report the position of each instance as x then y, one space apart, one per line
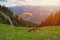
39 12
8 32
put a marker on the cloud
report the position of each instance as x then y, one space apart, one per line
42 2
31 2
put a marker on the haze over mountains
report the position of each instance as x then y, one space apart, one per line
39 12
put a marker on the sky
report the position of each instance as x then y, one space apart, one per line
9 3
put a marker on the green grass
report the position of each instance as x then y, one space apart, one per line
8 32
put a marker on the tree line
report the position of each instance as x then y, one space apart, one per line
52 20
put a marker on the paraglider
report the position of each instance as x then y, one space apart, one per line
25 13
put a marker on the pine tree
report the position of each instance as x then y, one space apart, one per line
49 20
57 18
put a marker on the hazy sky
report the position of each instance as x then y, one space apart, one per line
30 2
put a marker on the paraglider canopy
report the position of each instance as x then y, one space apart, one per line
25 13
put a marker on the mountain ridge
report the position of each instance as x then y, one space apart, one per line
40 12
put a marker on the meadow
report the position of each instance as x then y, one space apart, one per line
8 32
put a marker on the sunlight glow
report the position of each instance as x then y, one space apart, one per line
31 2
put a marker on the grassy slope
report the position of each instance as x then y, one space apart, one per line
19 33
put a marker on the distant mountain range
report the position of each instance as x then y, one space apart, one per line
39 12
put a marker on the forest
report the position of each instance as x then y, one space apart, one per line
8 17
52 20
